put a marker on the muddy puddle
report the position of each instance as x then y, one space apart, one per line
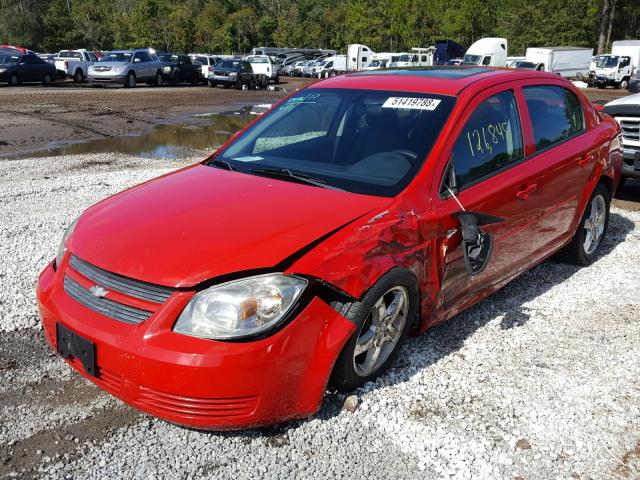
200 133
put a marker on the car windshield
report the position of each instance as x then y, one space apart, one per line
472 59
230 64
9 59
116 57
607 61
369 142
69 54
257 60
169 58
404 58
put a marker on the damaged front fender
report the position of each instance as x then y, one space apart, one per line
353 259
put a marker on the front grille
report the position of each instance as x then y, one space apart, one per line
107 307
630 128
221 74
127 286
101 69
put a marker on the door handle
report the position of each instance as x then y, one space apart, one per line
586 160
526 190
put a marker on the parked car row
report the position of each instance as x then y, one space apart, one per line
131 67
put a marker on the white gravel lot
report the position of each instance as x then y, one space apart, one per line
540 381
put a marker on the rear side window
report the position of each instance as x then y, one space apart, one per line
556 114
490 141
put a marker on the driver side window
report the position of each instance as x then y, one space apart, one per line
490 141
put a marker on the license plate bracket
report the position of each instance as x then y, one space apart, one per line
70 344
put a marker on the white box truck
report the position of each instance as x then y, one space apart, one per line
617 68
489 52
568 62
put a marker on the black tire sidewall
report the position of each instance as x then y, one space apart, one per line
12 82
344 377
131 80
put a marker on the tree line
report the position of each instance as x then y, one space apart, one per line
236 26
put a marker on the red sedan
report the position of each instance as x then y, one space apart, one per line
298 257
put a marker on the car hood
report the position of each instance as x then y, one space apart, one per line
629 105
203 222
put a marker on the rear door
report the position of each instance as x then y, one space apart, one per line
27 69
566 152
488 153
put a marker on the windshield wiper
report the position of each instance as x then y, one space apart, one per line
222 164
297 176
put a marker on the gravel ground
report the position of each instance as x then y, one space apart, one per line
541 380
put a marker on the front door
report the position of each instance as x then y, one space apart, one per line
490 175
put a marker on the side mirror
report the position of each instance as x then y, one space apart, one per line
477 245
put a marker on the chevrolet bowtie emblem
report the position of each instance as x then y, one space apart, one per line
98 292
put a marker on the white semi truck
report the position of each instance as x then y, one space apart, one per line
489 52
569 62
617 68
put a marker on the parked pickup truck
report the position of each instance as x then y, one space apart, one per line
177 68
127 67
262 65
74 64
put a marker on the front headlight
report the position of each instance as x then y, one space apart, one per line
612 75
166 69
2 70
62 248
233 74
240 308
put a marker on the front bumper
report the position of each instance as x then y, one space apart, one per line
631 162
202 383
97 79
223 80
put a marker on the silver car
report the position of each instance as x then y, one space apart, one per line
127 67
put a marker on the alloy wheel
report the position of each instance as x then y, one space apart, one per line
381 331
594 224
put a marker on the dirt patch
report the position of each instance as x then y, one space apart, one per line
35 118
71 441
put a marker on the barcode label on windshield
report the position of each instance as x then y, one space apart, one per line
411 103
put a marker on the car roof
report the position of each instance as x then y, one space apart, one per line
446 80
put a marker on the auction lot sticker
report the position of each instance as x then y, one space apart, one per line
411 103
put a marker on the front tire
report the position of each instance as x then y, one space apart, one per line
46 80
131 80
624 84
383 319
14 81
588 239
159 82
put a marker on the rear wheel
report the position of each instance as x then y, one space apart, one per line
212 84
383 319
159 80
14 81
78 76
592 230
131 80
47 79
